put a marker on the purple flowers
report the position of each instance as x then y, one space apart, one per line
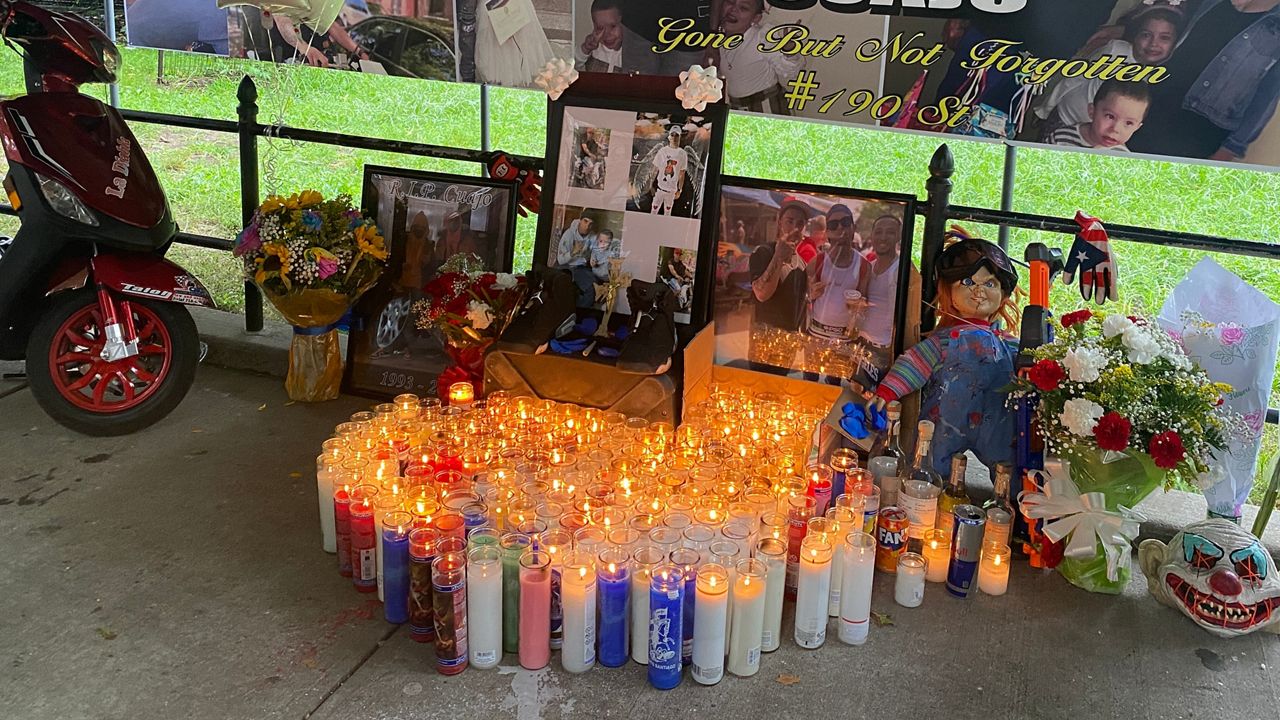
247 241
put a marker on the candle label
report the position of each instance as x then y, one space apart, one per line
766 638
451 624
484 657
811 637
710 674
922 513
663 653
421 614
557 612
589 624
368 565
753 656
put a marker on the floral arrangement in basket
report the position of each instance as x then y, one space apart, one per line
1122 384
469 307
1119 398
313 258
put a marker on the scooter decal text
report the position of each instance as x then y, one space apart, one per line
120 166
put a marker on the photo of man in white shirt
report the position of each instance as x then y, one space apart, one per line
671 164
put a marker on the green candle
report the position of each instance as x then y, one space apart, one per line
513 546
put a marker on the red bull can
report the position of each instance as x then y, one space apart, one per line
966 548
891 538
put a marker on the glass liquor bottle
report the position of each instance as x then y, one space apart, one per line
955 493
922 466
1002 522
1003 489
889 445
921 487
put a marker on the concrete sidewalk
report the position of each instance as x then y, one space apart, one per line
177 573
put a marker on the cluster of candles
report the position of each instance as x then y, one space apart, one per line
518 525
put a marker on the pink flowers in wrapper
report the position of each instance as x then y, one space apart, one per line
1232 334
325 268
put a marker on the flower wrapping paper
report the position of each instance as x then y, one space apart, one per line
1232 330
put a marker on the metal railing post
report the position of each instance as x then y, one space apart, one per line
247 129
1006 190
109 21
938 187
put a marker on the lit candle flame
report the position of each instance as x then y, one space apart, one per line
712 581
582 572
995 560
612 568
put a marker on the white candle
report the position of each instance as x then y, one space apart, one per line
842 520
324 494
484 605
937 552
645 560
855 596
710 609
993 572
774 553
748 618
813 589
908 588
578 598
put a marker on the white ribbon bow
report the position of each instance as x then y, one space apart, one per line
1085 519
555 77
699 86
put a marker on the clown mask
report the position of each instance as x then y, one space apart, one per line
1218 575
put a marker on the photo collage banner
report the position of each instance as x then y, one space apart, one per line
1191 80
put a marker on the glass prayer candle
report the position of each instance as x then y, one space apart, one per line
855 596
342 527
677 520
461 395
711 614
327 467
422 552
818 485
999 526
624 537
449 592
747 626
688 561
993 573
710 517
843 461
590 539
871 503
395 565
698 537
483 536
364 547
813 588
840 521
484 605
450 525
534 645
799 509
644 523
908 587
773 551
573 522
578 595
513 545
614 592
643 562
666 609
557 543
738 533
937 553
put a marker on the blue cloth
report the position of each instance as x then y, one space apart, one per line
965 397
177 24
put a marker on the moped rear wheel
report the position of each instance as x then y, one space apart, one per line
90 394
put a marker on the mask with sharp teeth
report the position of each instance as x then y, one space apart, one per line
1218 575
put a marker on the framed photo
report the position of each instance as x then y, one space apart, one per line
811 282
427 218
631 182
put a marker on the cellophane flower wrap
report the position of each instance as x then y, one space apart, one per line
312 258
1119 398
469 307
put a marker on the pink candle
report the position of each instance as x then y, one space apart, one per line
535 609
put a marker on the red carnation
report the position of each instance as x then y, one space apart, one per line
1077 317
1047 375
1166 450
1113 431
1051 553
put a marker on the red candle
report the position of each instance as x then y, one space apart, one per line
364 558
450 525
342 527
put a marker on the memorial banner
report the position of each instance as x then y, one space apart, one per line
1183 79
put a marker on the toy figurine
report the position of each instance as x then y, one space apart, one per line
965 365
1218 575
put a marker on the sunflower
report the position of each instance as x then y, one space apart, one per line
274 263
370 242
271 204
309 198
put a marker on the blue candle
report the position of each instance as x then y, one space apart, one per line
395 566
613 593
666 611
687 560
843 460
474 515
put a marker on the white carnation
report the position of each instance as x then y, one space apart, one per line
480 315
1143 348
1115 325
1079 416
1084 364
504 281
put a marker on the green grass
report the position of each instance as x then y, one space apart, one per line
200 170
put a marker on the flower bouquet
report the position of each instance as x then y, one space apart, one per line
470 308
1120 400
312 258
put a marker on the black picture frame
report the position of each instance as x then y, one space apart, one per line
781 189
647 95
386 354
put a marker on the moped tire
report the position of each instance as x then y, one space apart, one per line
82 391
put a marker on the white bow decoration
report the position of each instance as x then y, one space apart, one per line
699 86
555 77
1085 519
